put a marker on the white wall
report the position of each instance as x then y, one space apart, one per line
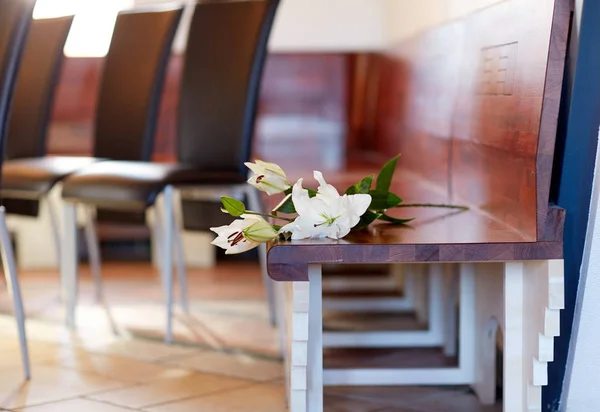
319 25
324 25
406 18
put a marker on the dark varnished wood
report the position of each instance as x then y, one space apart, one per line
472 105
436 235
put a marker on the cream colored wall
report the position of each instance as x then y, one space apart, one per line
320 25
323 25
405 18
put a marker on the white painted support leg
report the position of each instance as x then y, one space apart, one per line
461 375
315 340
528 312
420 276
406 279
297 308
434 336
396 282
450 290
168 227
93 248
435 291
514 354
489 291
12 283
543 298
69 262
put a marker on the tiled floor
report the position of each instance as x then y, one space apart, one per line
226 359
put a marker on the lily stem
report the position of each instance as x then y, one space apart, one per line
433 205
267 215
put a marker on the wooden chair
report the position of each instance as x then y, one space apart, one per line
220 85
27 135
474 112
126 116
15 17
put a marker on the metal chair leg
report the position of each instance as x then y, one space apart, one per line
91 238
181 271
254 204
68 262
168 223
12 282
55 222
180 253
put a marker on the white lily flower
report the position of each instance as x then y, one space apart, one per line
243 234
327 214
268 177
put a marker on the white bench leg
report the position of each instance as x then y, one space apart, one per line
420 276
297 305
303 350
450 289
314 371
524 300
543 298
490 317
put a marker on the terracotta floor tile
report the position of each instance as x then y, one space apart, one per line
387 395
119 367
141 349
334 403
454 401
95 369
49 384
255 398
75 405
169 390
234 365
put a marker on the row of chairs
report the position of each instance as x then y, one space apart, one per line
221 77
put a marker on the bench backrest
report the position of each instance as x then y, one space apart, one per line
473 107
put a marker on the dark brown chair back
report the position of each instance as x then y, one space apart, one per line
36 83
132 82
221 80
15 17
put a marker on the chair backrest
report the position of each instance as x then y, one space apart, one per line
15 17
34 91
132 82
221 80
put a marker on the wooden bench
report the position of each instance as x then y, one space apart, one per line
472 105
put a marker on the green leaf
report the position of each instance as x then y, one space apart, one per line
366 219
384 179
383 200
287 206
233 206
394 220
361 187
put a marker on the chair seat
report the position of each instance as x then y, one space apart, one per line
32 178
123 185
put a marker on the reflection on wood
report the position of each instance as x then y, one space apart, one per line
303 98
472 105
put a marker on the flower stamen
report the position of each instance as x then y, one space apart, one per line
239 237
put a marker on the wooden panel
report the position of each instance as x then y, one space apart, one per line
472 106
